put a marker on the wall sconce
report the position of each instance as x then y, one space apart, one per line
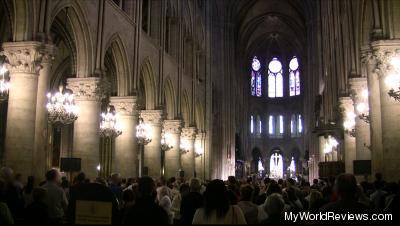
165 146
198 149
349 124
393 79
184 146
330 144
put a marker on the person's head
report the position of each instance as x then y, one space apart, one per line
267 180
53 176
291 182
291 192
274 204
184 189
273 188
280 182
64 183
315 181
80 178
316 200
195 185
7 174
18 177
171 182
162 181
146 187
231 180
216 198
246 192
346 186
164 191
115 178
378 177
38 194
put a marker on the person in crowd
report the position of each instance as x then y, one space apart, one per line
362 197
191 202
65 185
249 209
27 191
315 185
177 201
11 194
217 209
293 201
128 199
315 201
115 187
145 210
56 200
162 185
346 189
5 213
37 211
18 181
378 196
165 202
274 206
392 191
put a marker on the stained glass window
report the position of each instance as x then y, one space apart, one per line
271 125
276 166
259 125
296 125
275 79
281 125
256 80
294 77
300 124
251 125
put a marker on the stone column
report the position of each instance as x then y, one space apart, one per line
187 159
126 151
24 64
346 104
369 63
358 85
152 151
172 130
41 130
321 139
86 128
384 50
199 159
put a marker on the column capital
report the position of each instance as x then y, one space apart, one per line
23 57
383 51
85 89
357 85
48 53
125 106
200 136
172 126
189 133
153 117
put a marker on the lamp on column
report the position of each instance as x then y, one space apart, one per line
198 149
61 107
4 83
142 133
109 126
363 107
330 144
349 124
165 146
184 146
393 79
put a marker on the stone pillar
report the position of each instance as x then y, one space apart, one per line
172 130
187 159
86 128
369 63
346 103
125 159
321 139
24 65
383 51
362 130
199 159
152 151
41 130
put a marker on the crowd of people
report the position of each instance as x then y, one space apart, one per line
179 201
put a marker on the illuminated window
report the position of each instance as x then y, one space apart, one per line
294 77
281 125
251 125
275 79
276 166
271 125
296 125
255 81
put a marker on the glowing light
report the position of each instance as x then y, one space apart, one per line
275 66
98 167
143 132
185 146
61 107
165 144
4 83
109 126
395 62
365 93
330 144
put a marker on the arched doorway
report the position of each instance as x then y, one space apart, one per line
276 165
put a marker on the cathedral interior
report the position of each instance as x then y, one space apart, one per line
201 88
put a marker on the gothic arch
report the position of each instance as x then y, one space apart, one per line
169 94
81 34
147 79
185 109
6 25
119 57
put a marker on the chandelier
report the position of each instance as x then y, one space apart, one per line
394 79
184 146
198 149
164 144
109 126
4 83
142 131
349 124
61 107
363 108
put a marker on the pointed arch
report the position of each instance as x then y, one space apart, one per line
147 79
185 109
80 29
169 94
120 59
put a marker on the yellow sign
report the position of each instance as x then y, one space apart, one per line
93 212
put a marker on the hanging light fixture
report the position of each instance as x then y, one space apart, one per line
184 146
61 107
393 79
349 123
142 131
198 149
4 83
363 108
109 126
164 142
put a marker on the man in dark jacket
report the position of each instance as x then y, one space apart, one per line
191 202
145 210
